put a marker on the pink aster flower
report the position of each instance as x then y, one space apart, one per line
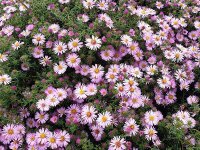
103 92
38 52
42 135
73 60
41 117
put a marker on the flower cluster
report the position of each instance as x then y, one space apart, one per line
99 74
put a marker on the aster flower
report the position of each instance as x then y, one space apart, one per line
83 18
31 139
170 97
63 138
103 5
131 127
151 118
75 45
42 105
164 82
114 69
126 40
17 142
42 135
117 143
17 45
3 57
61 111
88 114
73 60
120 89
41 117
180 75
80 92
38 39
88 4
135 72
97 132
93 43
24 113
111 77
38 52
8 30
159 5
62 33
60 48
52 100
96 71
60 94
54 28
150 133
9 131
45 60
64 1
197 24
107 55
135 101
192 99
104 119
177 56
73 110
52 141
26 33
132 48
175 23
91 89
151 70
30 122
60 68
84 70
23 7
5 79
130 82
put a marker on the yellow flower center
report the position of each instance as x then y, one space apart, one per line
75 44
38 39
62 138
134 100
60 67
10 131
177 55
132 47
59 48
151 132
101 4
112 76
41 116
73 60
89 114
104 119
132 126
151 118
96 70
52 140
131 82
81 91
42 135
164 81
132 89
73 111
171 96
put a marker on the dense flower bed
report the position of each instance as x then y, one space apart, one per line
99 74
